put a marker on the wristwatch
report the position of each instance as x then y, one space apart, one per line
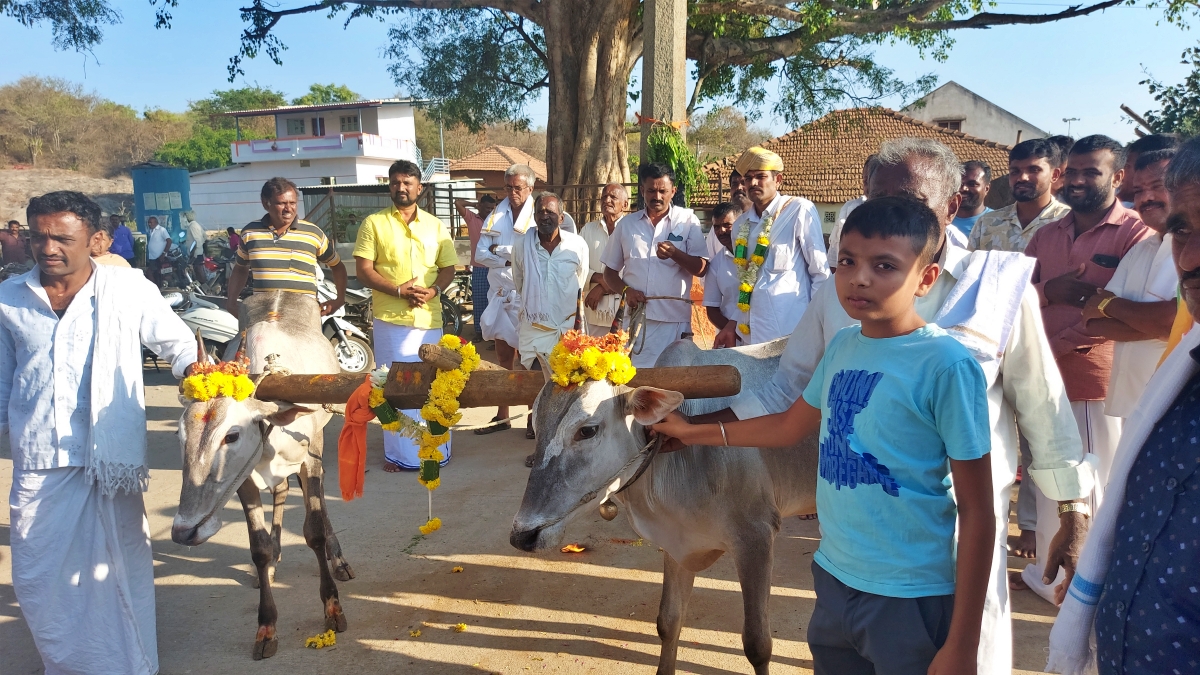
1077 507
1104 303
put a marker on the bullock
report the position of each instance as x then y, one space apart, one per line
253 445
696 503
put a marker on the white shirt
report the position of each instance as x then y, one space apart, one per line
156 242
499 231
1029 389
835 237
1146 274
631 251
549 310
721 284
794 268
595 234
193 245
46 364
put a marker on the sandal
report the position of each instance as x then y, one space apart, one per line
529 460
529 433
503 426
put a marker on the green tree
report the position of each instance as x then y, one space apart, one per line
319 94
485 60
209 111
206 148
1179 104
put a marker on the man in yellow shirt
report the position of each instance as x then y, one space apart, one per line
406 257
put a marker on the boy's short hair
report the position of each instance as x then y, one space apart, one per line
898 217
725 208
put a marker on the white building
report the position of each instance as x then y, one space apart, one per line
956 108
338 143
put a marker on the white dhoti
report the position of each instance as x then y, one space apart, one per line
995 634
657 336
83 573
595 330
502 316
1100 434
400 344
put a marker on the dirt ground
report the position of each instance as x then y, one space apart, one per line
551 613
17 186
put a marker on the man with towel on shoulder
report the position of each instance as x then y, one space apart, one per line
792 264
984 300
502 231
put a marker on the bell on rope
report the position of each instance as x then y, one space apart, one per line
608 510
430 470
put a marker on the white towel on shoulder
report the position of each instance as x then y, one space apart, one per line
984 327
1072 640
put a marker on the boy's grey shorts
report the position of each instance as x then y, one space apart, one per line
857 633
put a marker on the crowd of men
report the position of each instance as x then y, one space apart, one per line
1070 299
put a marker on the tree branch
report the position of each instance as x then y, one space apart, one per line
529 9
854 22
519 26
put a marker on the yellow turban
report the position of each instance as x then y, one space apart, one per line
758 159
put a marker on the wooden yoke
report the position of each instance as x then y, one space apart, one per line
490 385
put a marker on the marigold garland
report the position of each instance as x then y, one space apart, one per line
209 380
321 640
440 412
748 277
579 357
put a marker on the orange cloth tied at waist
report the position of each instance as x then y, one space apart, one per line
352 442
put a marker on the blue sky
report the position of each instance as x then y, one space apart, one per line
1081 68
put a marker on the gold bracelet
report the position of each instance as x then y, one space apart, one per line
1078 507
1104 303
723 436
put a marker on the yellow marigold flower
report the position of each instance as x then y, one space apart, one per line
243 388
757 259
746 288
321 640
431 486
763 241
414 633
744 306
460 628
744 328
456 570
450 342
433 525
193 388
391 426
376 398
740 241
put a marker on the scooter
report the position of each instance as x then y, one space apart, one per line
351 345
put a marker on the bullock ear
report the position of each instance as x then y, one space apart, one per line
279 414
650 405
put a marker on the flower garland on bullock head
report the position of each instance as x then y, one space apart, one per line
212 380
440 412
579 357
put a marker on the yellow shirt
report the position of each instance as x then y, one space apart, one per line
404 251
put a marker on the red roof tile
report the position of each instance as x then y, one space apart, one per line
498 158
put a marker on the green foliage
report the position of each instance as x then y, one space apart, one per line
208 110
206 148
665 145
320 94
1179 110
75 24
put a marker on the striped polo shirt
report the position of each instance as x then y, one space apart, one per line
286 262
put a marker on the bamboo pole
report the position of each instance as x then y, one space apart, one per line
408 385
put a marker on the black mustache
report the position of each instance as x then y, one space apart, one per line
1149 204
1188 276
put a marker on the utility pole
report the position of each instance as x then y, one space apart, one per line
664 64
1068 120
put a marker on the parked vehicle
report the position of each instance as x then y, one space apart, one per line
218 328
174 269
351 345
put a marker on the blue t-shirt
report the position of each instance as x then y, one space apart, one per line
965 225
894 411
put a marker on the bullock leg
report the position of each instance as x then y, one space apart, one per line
265 642
333 548
753 559
279 494
677 590
311 475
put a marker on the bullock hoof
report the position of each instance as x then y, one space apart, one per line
265 649
342 571
335 618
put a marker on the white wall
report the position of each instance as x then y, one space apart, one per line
980 117
370 170
230 196
824 209
396 121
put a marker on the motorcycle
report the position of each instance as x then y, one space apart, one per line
351 345
174 269
218 328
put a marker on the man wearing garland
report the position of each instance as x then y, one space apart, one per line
651 258
779 251
501 232
983 299
406 257
73 416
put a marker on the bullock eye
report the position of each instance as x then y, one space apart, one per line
232 437
587 432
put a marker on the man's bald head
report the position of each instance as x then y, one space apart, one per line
920 169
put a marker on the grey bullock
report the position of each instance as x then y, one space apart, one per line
252 445
697 503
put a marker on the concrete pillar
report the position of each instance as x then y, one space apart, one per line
664 63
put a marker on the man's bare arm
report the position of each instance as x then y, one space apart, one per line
233 290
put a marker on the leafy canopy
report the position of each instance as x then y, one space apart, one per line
1179 110
319 94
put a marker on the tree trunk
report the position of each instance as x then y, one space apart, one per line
590 49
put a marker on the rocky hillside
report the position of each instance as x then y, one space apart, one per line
17 186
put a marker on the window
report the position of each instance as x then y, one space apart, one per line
830 217
305 163
318 126
349 123
295 127
952 125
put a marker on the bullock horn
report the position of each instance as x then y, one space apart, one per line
241 350
201 352
578 309
619 316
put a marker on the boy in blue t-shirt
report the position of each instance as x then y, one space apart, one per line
901 406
